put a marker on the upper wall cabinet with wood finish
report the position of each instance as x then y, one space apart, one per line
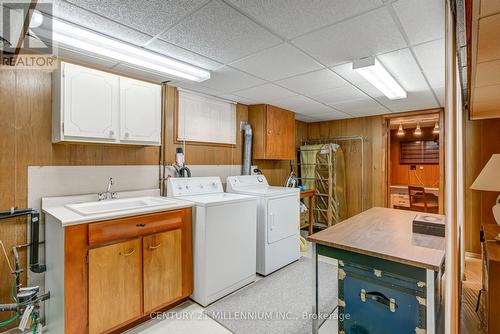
95 106
273 132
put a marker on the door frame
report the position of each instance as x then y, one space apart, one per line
387 119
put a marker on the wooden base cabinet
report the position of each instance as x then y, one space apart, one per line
162 268
114 285
116 272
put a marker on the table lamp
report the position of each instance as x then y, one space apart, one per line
489 180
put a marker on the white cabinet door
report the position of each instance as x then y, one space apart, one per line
140 111
90 103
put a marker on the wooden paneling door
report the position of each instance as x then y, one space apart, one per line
162 268
114 285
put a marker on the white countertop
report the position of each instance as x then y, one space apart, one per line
56 207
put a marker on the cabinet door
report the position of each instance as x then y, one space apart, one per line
114 285
90 103
140 111
162 268
280 137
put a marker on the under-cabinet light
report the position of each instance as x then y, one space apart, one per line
75 37
376 74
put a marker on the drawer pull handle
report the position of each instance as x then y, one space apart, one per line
140 225
379 298
154 247
132 251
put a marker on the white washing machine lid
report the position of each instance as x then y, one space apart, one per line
217 199
266 191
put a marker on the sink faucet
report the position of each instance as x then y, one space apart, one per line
108 194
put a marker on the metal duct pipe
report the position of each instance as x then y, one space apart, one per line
247 147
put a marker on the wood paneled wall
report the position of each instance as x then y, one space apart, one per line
401 174
482 139
374 129
25 140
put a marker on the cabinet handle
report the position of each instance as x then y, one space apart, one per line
140 225
154 247
132 251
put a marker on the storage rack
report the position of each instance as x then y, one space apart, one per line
330 140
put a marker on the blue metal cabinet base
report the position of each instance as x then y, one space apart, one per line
377 296
379 305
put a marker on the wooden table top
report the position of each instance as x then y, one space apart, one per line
387 234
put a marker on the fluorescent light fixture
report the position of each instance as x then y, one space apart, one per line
401 132
418 131
376 74
436 128
75 37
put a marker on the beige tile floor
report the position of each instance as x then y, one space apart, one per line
189 318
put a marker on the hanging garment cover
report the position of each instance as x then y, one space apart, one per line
330 184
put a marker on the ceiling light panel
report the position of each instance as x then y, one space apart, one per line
75 37
375 73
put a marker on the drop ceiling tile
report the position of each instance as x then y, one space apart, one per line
301 104
313 83
431 57
151 16
362 107
236 98
195 87
365 35
422 20
142 74
291 18
219 32
330 116
440 91
89 20
265 93
341 94
304 118
226 80
488 38
277 62
405 70
189 57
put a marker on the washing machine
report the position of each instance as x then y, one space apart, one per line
224 236
278 220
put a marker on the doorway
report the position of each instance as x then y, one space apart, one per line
415 177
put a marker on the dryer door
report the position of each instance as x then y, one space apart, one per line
283 218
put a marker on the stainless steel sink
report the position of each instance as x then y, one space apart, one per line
113 205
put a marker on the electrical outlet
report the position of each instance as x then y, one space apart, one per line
413 167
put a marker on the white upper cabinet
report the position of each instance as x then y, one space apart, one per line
140 111
96 106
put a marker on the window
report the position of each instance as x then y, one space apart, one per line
205 119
